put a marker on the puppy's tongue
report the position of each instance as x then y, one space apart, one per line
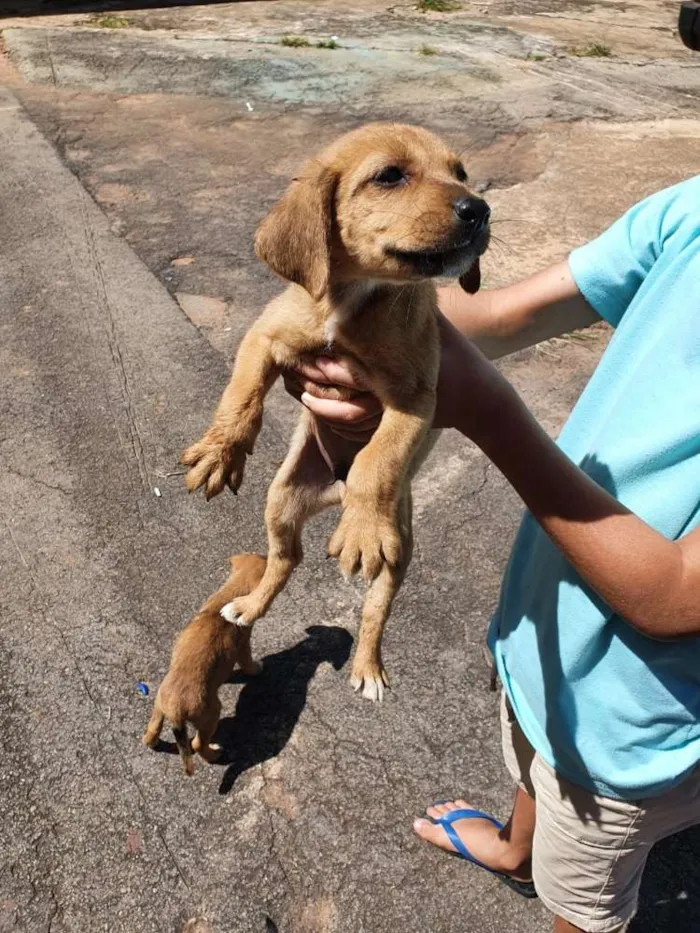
471 281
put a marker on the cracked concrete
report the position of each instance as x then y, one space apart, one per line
183 128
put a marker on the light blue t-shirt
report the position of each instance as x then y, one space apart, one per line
610 709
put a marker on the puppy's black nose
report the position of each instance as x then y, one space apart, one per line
473 212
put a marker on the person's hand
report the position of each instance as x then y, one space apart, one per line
335 393
469 391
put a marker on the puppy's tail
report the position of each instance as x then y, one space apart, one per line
183 746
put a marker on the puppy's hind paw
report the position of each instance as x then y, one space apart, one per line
372 684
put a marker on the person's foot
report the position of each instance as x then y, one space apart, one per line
482 839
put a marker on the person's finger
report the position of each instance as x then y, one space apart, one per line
340 372
339 412
309 370
295 382
336 393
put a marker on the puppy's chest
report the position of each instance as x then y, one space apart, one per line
400 353
375 336
330 333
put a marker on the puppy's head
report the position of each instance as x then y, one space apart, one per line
386 202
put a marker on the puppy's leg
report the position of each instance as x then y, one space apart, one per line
367 535
302 488
184 745
368 671
155 726
218 459
206 727
246 661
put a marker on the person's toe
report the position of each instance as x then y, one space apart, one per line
436 810
445 806
432 833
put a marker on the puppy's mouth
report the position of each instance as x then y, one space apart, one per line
451 259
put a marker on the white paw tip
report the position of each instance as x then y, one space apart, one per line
373 690
214 747
228 613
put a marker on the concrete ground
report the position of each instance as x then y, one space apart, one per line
139 150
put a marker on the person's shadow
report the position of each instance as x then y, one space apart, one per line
270 704
670 893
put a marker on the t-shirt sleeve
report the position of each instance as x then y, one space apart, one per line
610 269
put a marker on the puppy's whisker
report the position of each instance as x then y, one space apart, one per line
410 302
497 241
413 217
471 145
398 295
412 233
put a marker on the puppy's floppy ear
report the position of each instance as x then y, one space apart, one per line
295 237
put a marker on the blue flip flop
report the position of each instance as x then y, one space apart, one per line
523 888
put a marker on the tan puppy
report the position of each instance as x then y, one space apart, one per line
203 658
360 233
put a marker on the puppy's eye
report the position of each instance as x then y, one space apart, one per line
460 174
389 177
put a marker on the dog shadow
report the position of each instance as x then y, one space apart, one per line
269 705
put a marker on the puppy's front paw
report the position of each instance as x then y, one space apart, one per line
243 611
371 678
214 463
252 669
365 539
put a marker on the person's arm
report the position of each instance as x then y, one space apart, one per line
651 582
503 320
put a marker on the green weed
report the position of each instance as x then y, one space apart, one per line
111 22
592 50
295 42
438 6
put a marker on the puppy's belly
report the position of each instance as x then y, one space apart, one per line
337 452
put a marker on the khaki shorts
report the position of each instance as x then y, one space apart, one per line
589 852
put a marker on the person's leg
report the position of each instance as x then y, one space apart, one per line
589 853
562 926
508 850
